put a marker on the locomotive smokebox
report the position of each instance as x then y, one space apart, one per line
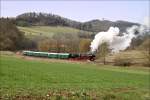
91 55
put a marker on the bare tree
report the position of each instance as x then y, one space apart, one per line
84 45
103 51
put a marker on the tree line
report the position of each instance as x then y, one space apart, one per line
32 18
11 38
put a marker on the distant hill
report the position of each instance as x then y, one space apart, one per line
103 25
39 19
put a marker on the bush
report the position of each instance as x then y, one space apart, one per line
22 23
146 64
121 61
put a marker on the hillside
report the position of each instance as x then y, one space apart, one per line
40 19
48 31
103 25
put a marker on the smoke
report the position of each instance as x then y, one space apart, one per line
117 42
146 22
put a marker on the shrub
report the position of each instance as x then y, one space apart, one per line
146 64
122 61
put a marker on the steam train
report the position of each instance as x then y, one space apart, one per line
69 56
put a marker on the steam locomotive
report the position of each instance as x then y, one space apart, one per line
69 56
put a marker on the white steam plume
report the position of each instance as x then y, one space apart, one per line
116 42
146 22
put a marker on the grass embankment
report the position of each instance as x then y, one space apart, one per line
22 78
47 30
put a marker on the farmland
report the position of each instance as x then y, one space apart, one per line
47 30
37 78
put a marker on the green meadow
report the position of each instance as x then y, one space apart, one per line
24 78
47 30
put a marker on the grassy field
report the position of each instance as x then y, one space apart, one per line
47 30
32 79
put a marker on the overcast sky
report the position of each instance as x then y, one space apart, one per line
133 11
